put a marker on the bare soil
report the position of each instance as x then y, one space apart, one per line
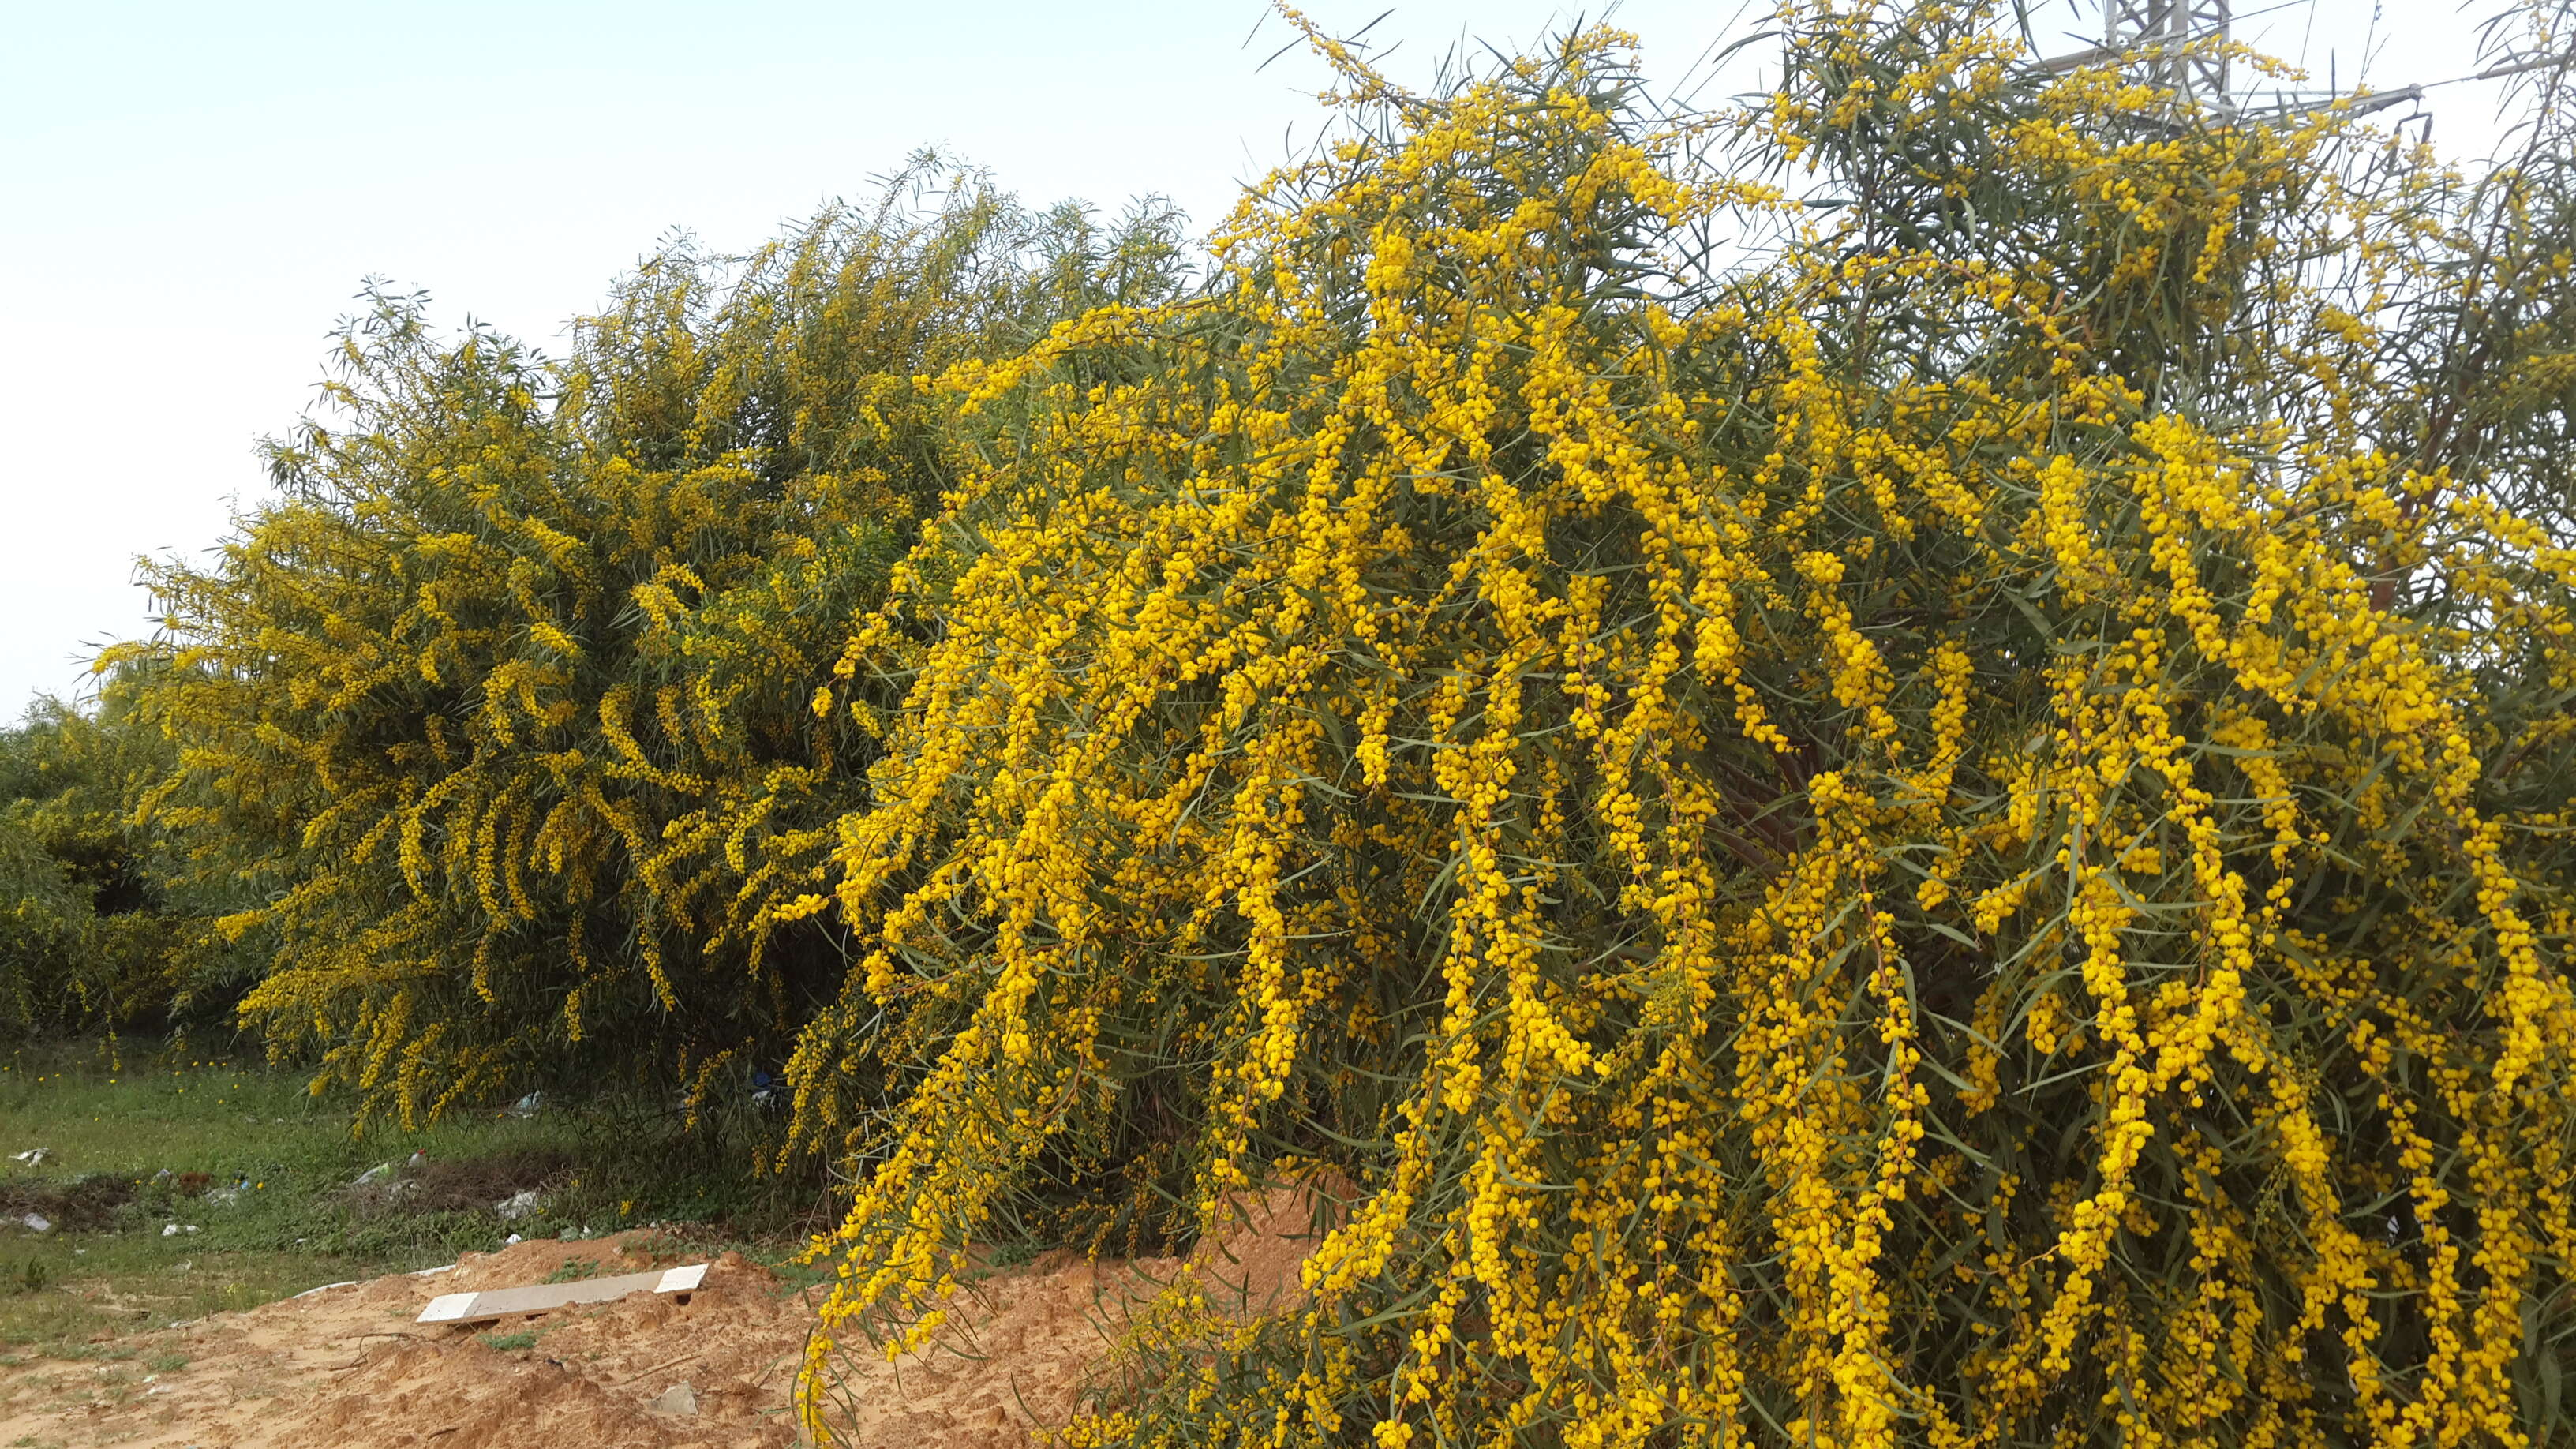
348 1365
86 1205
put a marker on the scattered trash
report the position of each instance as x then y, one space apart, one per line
512 1241
172 1230
164 1175
327 1287
434 1272
224 1196
38 1223
419 1160
377 1173
35 1156
520 1204
677 1399
529 1105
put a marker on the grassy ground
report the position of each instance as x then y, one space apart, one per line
178 1187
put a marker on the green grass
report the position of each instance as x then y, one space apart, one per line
118 1119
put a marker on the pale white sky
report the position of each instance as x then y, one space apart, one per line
190 194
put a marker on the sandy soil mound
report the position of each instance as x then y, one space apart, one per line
1017 1345
347 1365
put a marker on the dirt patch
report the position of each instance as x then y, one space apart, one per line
479 1182
348 1365
465 1184
86 1205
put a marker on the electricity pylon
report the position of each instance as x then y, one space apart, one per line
2179 43
2173 44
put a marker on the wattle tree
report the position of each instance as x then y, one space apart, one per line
1889 770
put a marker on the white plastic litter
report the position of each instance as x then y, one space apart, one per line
35 1156
512 1241
38 1223
518 1204
377 1173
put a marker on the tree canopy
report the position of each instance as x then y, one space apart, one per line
1892 769
1890 765
499 710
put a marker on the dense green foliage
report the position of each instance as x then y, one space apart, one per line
95 930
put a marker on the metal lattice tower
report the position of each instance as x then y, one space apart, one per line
2174 44
2177 42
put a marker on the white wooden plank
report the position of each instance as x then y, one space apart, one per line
446 1308
494 1303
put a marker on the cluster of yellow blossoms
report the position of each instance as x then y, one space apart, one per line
1932 837
491 725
